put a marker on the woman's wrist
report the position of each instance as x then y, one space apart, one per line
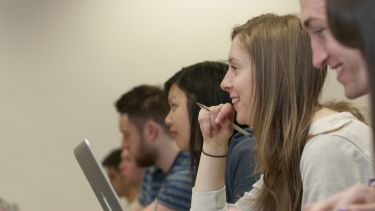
214 156
215 150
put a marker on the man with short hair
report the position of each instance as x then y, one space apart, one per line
142 112
351 71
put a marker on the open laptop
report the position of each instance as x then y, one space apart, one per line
97 177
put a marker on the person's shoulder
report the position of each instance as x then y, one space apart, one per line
335 150
239 136
340 123
182 155
181 162
176 190
336 145
330 154
180 169
178 182
241 142
153 172
341 133
152 169
179 174
333 160
352 127
240 148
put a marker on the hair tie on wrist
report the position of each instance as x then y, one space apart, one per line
214 156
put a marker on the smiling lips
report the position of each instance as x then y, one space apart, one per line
173 134
339 69
235 101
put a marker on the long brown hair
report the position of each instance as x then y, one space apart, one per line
287 88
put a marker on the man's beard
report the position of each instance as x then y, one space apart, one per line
146 155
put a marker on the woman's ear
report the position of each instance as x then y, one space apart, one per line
151 131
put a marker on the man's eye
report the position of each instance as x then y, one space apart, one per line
319 32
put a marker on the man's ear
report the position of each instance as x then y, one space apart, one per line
151 131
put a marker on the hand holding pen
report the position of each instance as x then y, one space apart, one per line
216 123
236 127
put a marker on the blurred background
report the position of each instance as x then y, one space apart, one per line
63 64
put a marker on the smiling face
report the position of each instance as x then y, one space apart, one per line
348 62
239 83
178 117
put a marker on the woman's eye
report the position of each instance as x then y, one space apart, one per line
233 67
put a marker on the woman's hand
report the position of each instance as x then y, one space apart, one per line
216 127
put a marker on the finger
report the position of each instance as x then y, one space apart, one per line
216 126
360 207
223 120
354 194
358 194
204 119
307 207
226 112
326 205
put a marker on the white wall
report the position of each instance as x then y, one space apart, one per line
63 64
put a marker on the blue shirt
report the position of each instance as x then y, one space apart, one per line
240 166
151 183
172 189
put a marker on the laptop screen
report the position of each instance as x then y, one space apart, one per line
97 177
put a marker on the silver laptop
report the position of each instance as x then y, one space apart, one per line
97 177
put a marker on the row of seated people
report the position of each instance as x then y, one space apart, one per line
161 133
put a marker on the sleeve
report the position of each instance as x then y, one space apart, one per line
216 200
240 169
176 191
209 201
330 164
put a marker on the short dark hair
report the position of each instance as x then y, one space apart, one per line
143 103
201 83
113 159
352 24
